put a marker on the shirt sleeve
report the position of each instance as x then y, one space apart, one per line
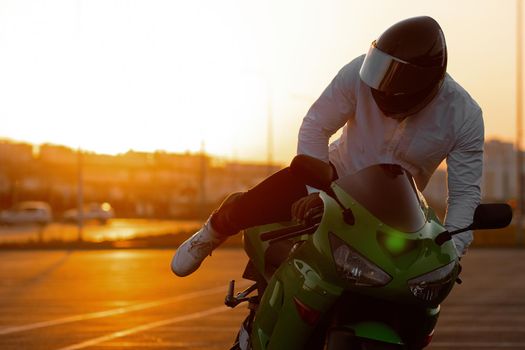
464 171
329 113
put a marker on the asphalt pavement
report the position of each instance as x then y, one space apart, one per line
129 299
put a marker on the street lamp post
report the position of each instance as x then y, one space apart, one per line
80 196
202 181
269 125
519 121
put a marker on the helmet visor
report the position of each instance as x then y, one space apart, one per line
392 75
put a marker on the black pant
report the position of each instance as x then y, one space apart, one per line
267 202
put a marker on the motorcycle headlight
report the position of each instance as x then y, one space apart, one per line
354 267
430 286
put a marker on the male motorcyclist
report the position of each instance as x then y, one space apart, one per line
397 105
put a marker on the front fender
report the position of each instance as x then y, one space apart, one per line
351 336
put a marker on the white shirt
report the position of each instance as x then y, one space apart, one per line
450 127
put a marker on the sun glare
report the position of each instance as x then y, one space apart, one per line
118 76
109 76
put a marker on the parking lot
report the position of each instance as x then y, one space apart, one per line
130 299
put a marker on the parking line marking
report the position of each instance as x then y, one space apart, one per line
112 312
165 345
145 327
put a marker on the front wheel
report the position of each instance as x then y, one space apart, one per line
345 339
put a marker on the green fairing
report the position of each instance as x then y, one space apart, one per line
309 274
377 331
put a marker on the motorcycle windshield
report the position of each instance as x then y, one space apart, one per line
387 192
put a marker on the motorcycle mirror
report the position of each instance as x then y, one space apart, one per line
312 171
492 216
486 216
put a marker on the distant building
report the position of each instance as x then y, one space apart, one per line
184 185
140 184
15 153
57 154
499 171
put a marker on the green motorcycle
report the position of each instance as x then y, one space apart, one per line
367 270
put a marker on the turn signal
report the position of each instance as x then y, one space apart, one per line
308 315
428 339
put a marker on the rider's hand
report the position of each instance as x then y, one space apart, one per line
304 204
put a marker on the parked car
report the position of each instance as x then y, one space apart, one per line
28 212
91 211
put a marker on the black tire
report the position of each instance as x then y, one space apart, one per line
345 339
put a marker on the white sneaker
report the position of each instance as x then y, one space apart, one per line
195 249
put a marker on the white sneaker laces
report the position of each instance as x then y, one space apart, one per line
200 249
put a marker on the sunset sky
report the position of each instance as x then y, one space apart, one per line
108 75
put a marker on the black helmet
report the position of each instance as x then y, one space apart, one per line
406 65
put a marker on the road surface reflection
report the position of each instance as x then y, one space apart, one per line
115 229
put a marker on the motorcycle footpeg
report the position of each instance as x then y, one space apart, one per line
234 300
